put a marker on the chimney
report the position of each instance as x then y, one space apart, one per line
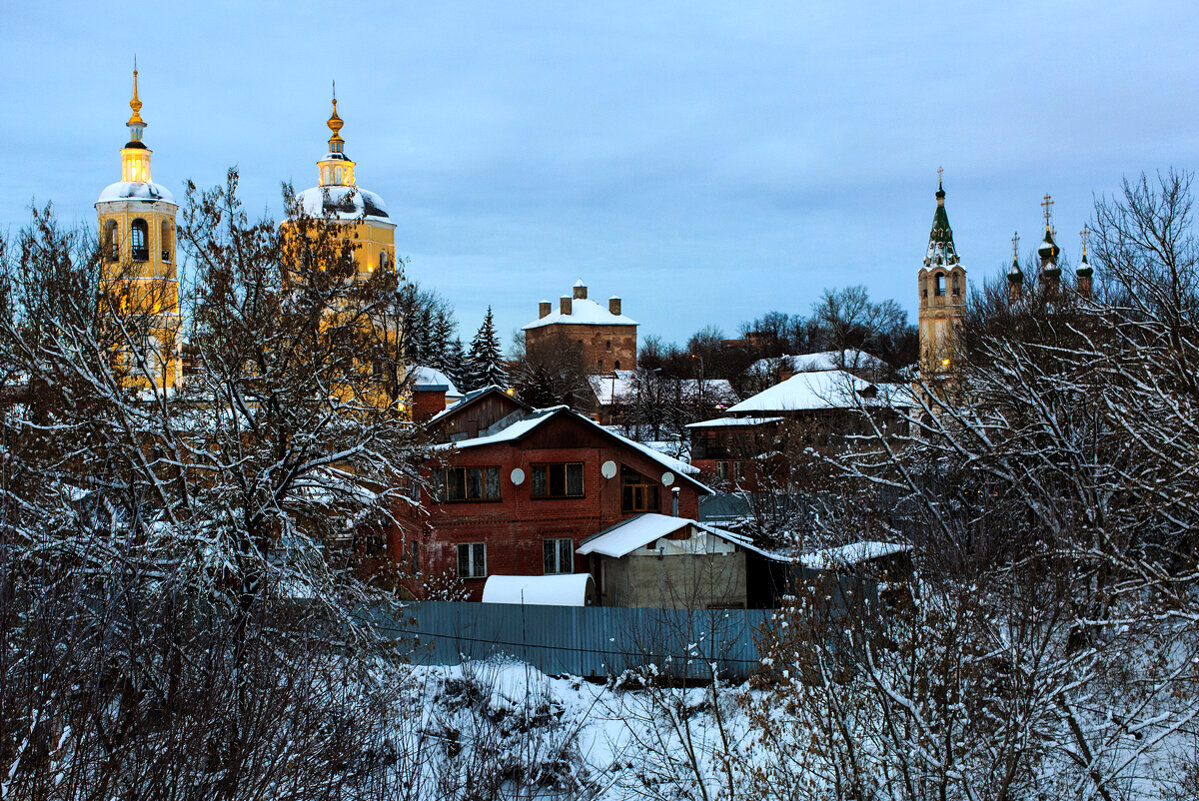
580 290
614 305
564 305
543 309
674 501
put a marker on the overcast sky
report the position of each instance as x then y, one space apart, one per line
706 161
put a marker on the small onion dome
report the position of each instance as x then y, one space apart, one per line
1084 268
940 191
1014 274
1048 248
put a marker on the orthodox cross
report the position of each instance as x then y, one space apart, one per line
1016 245
1046 202
1085 233
940 173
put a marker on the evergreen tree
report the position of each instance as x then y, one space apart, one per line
485 364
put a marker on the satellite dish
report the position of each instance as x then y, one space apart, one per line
608 469
518 476
667 478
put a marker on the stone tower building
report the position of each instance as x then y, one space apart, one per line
607 338
942 284
137 239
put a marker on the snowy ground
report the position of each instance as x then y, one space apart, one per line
573 738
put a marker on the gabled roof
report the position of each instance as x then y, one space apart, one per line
627 536
521 428
823 389
471 398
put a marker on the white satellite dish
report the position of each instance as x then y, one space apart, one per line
608 469
667 478
518 476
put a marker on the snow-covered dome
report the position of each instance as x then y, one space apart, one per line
342 203
136 190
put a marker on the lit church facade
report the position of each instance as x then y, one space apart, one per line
139 265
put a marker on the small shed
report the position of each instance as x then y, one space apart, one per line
660 561
572 589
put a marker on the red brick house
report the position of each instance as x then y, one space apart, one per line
520 496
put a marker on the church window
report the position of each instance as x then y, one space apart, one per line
337 175
940 289
616 365
140 240
383 260
112 248
957 290
165 238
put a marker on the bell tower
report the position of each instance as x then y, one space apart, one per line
942 287
137 241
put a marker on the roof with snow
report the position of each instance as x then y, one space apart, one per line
620 386
848 359
726 422
525 425
582 312
573 589
852 554
824 389
342 203
627 536
431 380
136 190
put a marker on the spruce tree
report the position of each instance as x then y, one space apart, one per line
485 365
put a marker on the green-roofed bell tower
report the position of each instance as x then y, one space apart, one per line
942 296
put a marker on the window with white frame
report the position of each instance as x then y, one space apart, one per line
559 555
472 560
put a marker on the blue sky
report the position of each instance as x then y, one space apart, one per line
706 161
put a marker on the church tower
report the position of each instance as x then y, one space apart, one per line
137 240
1048 251
942 284
338 197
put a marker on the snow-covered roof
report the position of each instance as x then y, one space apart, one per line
621 386
136 190
427 378
848 359
627 536
725 422
582 312
825 389
525 425
572 589
852 554
342 203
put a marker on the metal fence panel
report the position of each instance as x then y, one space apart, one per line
584 641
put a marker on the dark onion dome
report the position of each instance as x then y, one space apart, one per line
1084 268
1014 274
1048 249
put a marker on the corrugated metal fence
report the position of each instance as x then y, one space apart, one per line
584 641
